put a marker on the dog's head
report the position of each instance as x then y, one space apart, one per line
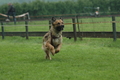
58 24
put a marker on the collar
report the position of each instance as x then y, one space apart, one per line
54 37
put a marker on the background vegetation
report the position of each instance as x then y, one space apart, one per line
40 7
21 1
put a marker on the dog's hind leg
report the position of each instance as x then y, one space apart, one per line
48 55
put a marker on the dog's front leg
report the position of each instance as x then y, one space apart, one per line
51 48
58 48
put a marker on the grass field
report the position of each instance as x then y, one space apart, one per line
90 59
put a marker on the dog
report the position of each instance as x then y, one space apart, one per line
52 40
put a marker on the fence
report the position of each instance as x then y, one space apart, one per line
71 34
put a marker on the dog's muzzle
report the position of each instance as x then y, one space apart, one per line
59 28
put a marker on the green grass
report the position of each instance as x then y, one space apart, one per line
90 59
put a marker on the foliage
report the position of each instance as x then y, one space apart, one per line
21 1
40 7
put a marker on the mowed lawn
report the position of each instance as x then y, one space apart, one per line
89 59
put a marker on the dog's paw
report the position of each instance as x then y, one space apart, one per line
48 58
56 51
53 52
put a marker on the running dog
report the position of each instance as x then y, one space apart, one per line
52 40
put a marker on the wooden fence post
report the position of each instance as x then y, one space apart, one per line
77 17
49 24
78 22
26 27
74 29
2 28
114 28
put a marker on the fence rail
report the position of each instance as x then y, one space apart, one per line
73 34
65 34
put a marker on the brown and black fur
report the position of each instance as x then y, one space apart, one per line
52 40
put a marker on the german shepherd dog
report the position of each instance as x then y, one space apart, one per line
52 40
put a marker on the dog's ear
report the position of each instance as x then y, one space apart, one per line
61 18
53 19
